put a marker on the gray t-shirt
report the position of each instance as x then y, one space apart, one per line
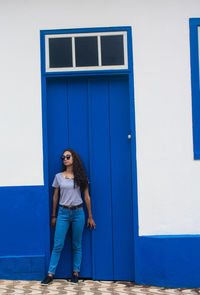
69 195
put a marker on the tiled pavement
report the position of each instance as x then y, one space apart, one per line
86 287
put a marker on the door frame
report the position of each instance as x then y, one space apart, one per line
129 72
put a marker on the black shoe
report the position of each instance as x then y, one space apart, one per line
47 280
74 279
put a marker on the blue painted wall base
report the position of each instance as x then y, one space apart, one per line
22 267
170 261
24 231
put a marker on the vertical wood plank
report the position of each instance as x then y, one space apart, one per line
121 178
78 134
101 181
57 142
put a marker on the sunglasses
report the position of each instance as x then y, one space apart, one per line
67 157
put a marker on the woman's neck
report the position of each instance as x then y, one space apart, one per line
69 171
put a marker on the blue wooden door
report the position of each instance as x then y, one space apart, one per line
91 115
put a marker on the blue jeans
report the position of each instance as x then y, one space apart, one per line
66 216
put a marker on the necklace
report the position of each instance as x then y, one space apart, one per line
66 177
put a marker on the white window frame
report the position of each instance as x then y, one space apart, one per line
90 68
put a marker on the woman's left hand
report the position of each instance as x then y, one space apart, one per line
91 223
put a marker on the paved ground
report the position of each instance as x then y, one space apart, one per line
86 287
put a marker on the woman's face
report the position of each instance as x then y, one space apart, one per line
67 159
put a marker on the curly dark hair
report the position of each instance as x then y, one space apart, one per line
80 178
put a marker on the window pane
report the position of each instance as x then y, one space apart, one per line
86 51
112 50
60 52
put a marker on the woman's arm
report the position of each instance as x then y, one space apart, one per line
55 201
88 205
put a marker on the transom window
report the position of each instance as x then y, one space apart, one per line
86 51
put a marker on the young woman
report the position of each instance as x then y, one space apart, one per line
70 183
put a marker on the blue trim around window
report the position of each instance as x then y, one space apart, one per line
194 58
78 31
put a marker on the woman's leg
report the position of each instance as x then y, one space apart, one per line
62 226
78 223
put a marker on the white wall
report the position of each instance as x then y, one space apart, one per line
168 177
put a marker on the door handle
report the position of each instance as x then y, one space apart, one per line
129 136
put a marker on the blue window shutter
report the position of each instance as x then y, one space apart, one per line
194 58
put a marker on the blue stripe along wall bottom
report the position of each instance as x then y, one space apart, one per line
171 261
24 219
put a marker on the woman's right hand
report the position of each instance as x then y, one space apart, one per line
53 222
